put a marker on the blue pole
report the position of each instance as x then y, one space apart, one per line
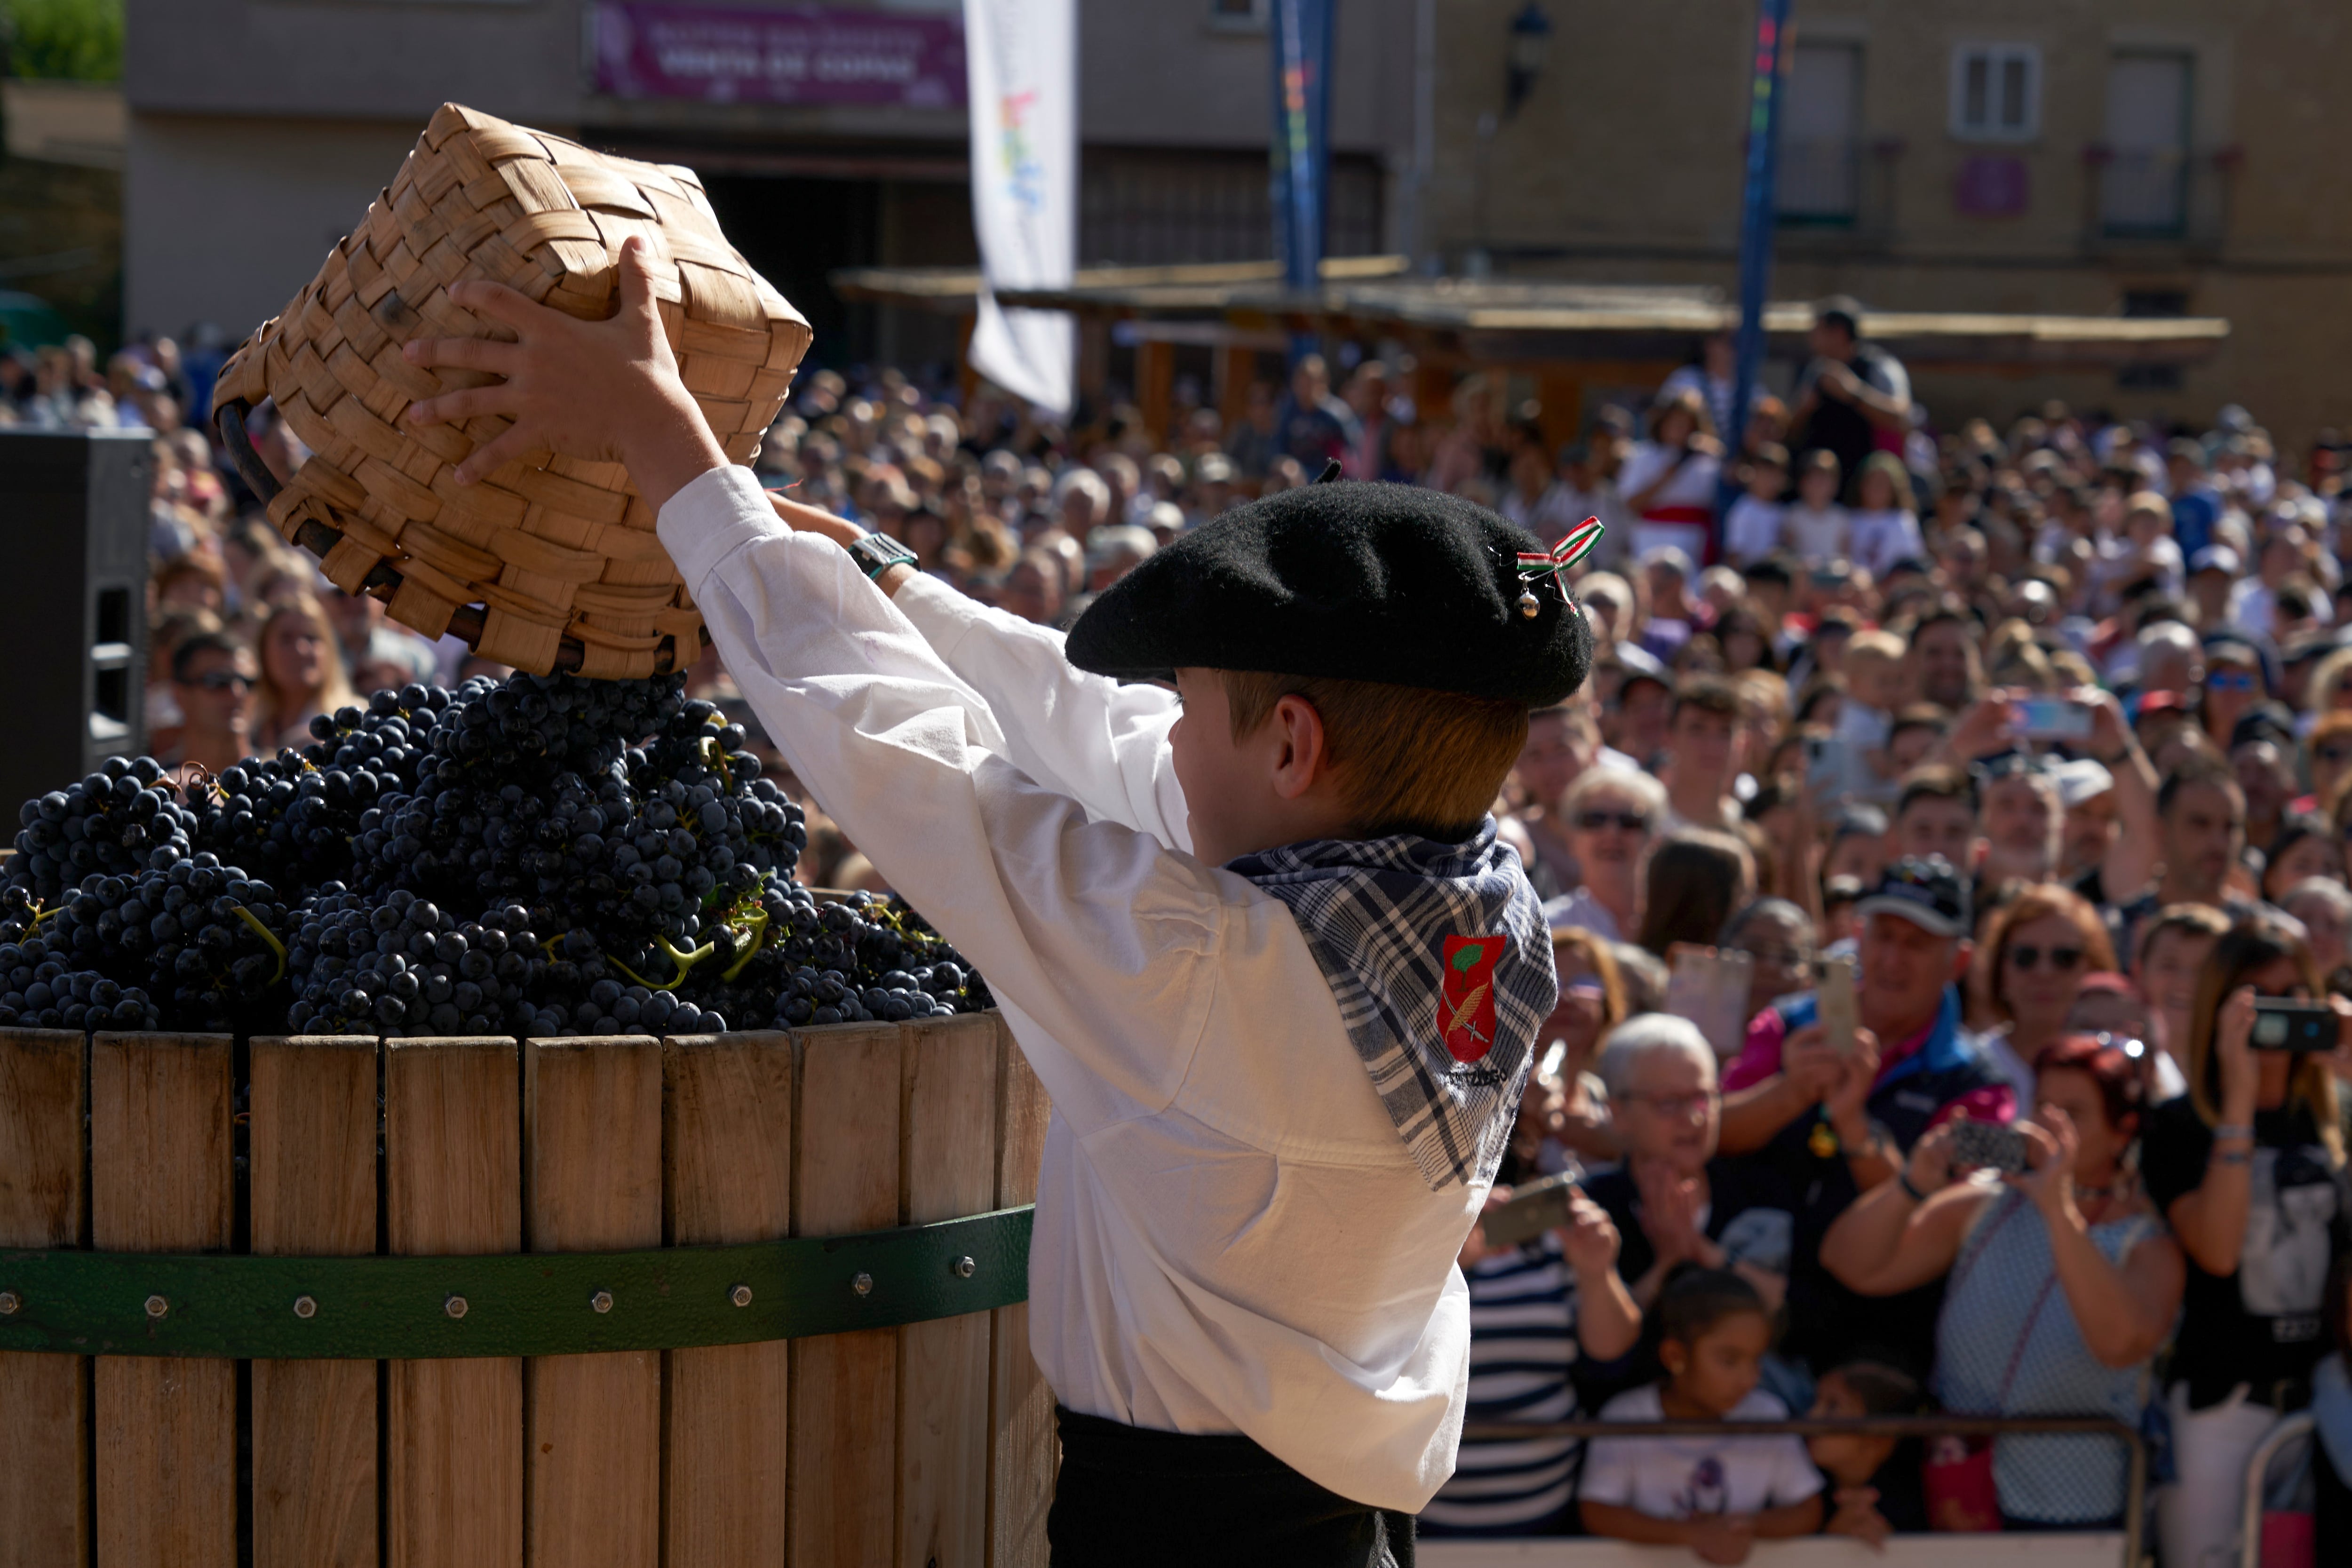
1299 159
1757 219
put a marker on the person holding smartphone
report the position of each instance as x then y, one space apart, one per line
2060 1283
2246 1166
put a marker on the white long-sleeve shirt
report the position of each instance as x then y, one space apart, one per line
1230 1235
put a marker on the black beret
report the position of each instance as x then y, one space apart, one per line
1346 581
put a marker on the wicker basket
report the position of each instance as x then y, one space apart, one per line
549 562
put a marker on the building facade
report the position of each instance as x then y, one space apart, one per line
259 130
2168 157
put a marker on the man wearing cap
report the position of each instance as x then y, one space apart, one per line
1852 397
1254 932
1836 1126
2212 572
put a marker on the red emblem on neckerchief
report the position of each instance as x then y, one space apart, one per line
1465 1009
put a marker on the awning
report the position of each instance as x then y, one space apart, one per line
1535 319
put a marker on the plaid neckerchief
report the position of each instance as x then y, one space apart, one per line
1376 913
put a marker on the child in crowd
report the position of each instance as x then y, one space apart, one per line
1814 525
1886 529
1751 529
1876 685
1872 1495
1717 1495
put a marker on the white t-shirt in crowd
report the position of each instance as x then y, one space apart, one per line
1691 1477
1751 529
1817 537
1883 538
1693 483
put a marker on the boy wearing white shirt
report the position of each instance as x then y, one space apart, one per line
1256 935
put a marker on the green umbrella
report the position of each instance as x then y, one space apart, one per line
27 320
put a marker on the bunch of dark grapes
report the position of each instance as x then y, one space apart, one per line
116 822
38 992
404 966
202 939
623 820
294 817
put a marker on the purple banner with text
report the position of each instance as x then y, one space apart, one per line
807 53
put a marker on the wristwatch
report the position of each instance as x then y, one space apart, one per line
877 553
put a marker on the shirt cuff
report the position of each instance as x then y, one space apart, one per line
713 517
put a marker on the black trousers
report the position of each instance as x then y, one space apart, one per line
1132 1498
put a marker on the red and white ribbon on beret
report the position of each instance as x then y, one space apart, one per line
1563 555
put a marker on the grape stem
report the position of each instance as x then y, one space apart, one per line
758 920
716 760
275 946
684 961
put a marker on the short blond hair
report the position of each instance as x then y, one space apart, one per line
1876 644
1406 759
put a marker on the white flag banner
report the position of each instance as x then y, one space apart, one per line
1022 56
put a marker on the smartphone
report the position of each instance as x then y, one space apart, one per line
1709 986
2052 719
1835 1000
2283 1024
1532 1210
1987 1146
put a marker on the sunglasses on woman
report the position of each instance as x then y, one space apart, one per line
2062 959
1626 821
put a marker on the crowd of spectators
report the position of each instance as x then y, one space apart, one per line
2045 728
2048 726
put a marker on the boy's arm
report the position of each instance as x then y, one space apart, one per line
1111 943
1086 736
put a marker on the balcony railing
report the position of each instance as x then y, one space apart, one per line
1818 181
2173 194
1836 194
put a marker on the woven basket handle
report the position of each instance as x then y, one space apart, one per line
230 418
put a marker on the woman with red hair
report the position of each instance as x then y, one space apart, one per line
2031 962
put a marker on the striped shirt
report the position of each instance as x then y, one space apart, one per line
1522 1349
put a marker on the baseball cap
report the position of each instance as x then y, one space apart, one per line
1927 892
2214 558
2084 778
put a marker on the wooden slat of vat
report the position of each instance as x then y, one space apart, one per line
44 1432
452 1185
947 1169
845 1386
311 1142
728 1148
593 1449
160 1182
1023 1451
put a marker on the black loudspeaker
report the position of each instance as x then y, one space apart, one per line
73 604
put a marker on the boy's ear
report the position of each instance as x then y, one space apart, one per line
1302 757
1675 1356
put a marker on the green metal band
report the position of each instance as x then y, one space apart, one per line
559 1303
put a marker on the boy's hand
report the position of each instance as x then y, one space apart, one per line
605 390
